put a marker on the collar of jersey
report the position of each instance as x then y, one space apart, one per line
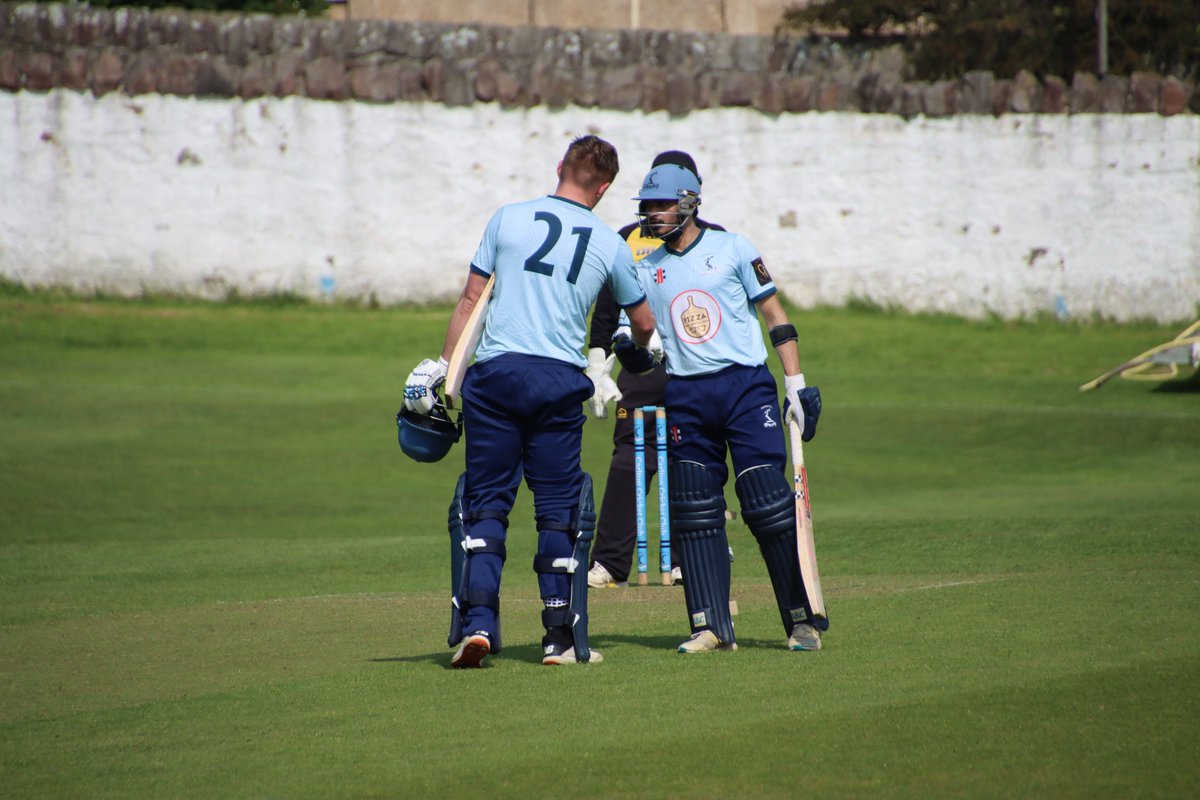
565 200
689 247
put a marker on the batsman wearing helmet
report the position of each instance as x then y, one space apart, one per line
707 288
522 399
616 526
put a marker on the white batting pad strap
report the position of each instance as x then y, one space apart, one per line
470 544
569 564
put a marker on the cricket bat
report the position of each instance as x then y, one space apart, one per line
806 546
468 340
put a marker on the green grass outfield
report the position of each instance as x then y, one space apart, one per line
220 578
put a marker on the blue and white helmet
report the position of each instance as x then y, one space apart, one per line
668 182
427 437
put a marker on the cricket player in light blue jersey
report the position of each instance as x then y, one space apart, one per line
523 400
707 289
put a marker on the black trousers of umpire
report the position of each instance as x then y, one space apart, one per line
616 528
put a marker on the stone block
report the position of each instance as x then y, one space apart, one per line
1114 94
799 93
829 95
1055 96
1001 96
431 78
769 99
256 79
973 92
1172 97
937 99
1085 94
751 53
177 75
655 90
260 32
217 77
911 99
364 37
10 75
621 88
233 39
141 76
682 92
458 86
375 80
74 74
323 39
286 74
90 26
198 33
129 27
107 71
738 88
1144 89
879 92
38 71
166 29
1025 95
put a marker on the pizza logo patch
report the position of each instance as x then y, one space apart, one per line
695 316
760 272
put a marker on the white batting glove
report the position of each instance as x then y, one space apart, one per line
656 346
792 385
421 384
599 370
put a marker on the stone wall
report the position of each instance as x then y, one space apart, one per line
43 47
729 16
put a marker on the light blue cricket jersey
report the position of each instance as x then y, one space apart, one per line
703 299
550 257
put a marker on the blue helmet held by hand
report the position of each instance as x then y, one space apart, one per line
427 437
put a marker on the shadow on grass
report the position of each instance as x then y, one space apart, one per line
531 653
521 652
1188 385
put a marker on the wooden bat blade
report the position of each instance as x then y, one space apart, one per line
806 545
464 348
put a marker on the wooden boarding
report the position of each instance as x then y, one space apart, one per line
468 340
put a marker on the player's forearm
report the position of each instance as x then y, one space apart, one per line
458 320
789 357
783 334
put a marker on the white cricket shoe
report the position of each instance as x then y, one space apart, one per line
556 656
471 651
676 576
705 642
804 637
600 578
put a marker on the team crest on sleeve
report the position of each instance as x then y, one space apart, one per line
760 272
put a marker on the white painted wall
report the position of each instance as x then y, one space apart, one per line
968 215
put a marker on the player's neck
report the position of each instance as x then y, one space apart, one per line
688 237
576 194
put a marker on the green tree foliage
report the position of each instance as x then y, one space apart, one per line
948 37
308 8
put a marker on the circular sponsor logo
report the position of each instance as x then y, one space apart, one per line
696 316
